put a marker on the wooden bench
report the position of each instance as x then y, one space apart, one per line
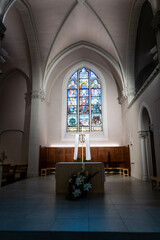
113 170
155 182
124 171
7 174
47 171
20 171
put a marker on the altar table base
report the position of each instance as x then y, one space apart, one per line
65 170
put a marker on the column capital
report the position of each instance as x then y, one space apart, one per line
128 92
143 134
38 94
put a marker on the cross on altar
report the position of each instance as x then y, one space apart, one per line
82 138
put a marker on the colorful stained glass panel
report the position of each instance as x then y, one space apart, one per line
83 73
83 98
92 75
95 100
95 84
72 109
83 83
84 109
96 120
84 120
95 92
83 101
72 93
75 75
96 128
96 108
71 129
72 120
83 93
72 101
72 85
85 129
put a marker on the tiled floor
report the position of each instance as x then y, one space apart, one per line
128 205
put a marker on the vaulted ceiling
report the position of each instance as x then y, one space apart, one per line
42 34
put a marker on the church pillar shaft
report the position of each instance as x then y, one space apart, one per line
143 135
35 140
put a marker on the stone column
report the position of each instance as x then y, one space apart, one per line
143 135
0 176
37 98
155 4
25 143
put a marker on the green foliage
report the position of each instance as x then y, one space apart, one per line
80 159
3 157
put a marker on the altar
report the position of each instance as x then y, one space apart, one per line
64 170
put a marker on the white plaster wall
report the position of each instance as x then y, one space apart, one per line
150 98
112 111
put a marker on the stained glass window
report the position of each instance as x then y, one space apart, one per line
84 102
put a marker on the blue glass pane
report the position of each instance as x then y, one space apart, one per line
95 92
84 109
83 101
72 109
72 120
72 101
96 100
96 120
83 92
72 85
83 83
72 93
75 75
93 75
96 108
84 120
95 84
83 73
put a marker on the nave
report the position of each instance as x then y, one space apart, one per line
129 209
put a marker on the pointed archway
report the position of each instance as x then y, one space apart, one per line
149 167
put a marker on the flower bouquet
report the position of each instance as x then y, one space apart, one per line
79 184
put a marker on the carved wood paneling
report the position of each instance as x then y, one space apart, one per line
111 156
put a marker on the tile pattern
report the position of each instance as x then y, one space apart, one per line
128 205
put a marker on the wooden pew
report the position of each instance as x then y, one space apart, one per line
21 171
155 182
7 174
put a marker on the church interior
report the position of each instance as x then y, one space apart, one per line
70 69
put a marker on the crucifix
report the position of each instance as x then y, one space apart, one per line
82 138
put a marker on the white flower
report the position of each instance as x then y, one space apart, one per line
87 186
70 180
77 192
79 181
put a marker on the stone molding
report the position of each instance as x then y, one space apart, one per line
128 92
143 134
2 30
38 94
81 1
